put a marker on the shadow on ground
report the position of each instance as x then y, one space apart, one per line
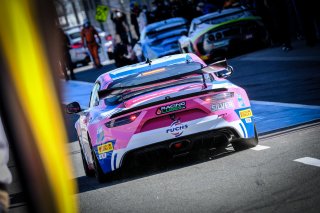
134 172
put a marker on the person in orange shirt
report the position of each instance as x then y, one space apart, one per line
88 37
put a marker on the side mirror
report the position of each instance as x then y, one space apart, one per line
73 108
225 73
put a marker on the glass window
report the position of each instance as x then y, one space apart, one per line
94 99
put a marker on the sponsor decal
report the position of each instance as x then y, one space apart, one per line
240 101
177 128
248 120
245 113
171 108
222 106
100 135
102 156
249 36
104 148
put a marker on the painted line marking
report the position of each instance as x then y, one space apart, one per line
75 82
270 58
260 147
309 161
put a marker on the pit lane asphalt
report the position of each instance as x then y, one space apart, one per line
248 181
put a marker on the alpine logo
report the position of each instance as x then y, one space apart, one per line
177 128
171 108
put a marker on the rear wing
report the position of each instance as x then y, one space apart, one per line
151 77
140 80
133 109
223 13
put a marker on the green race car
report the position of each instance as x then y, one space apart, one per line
216 34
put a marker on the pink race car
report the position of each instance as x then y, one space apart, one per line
167 107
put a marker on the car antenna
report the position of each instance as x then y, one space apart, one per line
148 61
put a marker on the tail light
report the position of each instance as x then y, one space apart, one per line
218 36
218 97
122 121
76 45
108 37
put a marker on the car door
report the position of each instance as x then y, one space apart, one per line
84 121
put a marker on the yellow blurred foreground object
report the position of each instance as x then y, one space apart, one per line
34 84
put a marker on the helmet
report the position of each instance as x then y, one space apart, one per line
86 23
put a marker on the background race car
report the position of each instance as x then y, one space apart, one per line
161 38
218 34
79 54
172 106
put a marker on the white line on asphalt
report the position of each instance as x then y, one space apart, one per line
260 147
75 82
285 104
270 58
309 161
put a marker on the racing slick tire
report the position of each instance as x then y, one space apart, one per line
246 143
88 172
100 176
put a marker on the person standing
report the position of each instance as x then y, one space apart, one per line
5 174
88 37
66 61
310 18
279 25
121 25
134 14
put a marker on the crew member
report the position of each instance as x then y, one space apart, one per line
88 34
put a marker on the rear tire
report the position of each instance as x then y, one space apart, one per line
246 143
100 176
88 172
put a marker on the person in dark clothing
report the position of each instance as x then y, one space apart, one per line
278 24
187 9
159 11
65 60
119 52
309 16
134 14
121 25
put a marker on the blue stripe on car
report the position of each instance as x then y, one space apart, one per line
244 132
115 161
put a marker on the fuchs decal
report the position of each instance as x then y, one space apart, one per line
177 128
171 108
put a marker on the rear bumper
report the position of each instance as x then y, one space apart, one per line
167 149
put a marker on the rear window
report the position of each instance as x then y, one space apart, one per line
153 80
165 33
75 35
